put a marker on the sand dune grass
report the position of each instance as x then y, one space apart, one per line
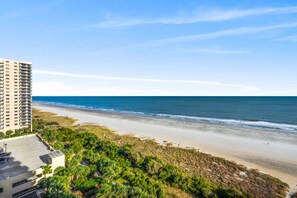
218 170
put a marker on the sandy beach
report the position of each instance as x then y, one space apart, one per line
271 152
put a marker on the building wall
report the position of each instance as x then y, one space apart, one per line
1 95
57 161
33 178
15 95
7 185
25 95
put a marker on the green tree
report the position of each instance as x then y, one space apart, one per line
47 169
57 186
108 169
58 145
81 171
77 146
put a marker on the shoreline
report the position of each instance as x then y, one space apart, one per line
271 152
267 126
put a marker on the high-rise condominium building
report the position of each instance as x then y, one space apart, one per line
15 95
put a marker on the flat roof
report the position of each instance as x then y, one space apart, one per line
5 59
28 153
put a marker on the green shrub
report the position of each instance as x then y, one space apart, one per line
9 132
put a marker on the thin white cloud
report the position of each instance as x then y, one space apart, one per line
149 80
203 37
181 50
212 15
292 38
219 34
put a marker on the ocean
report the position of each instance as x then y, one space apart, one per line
271 113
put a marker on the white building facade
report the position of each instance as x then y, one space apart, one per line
15 95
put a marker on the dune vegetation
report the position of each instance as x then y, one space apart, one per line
102 163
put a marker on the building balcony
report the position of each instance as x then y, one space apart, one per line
25 66
24 100
25 77
27 95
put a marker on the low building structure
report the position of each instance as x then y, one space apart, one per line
21 162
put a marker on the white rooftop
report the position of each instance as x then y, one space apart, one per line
25 62
27 153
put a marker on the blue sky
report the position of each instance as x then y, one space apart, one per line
154 47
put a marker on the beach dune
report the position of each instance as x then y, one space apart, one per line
271 152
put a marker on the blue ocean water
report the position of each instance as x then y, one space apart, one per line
273 113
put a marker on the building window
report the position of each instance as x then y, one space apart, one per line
19 183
